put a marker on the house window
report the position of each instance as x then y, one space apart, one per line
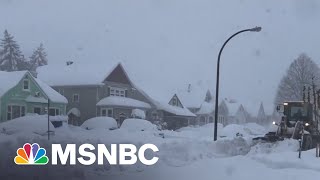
174 101
117 92
107 112
37 110
75 98
9 113
15 111
26 84
54 112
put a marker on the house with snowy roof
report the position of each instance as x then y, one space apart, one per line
237 112
174 113
94 90
200 102
21 93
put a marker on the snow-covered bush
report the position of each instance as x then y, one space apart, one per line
100 123
161 125
138 114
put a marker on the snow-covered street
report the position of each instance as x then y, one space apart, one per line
190 153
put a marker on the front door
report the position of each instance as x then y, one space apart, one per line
37 110
122 117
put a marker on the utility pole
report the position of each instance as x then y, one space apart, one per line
315 113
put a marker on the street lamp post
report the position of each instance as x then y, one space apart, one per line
255 29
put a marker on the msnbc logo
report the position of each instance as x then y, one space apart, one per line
31 155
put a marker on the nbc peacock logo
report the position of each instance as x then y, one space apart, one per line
31 155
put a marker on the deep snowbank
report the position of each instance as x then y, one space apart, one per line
190 148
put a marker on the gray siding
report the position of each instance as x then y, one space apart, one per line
89 96
87 99
131 92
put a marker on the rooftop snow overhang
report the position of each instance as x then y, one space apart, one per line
123 102
33 99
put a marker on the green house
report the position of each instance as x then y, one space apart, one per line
21 93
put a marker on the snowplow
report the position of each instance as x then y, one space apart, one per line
299 121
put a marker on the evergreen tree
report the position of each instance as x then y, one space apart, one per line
208 97
11 56
261 117
38 58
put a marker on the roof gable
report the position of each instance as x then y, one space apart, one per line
9 80
175 101
118 75
194 96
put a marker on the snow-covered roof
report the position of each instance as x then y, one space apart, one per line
74 74
123 101
74 111
174 109
206 108
233 107
9 80
81 74
193 97
53 95
34 99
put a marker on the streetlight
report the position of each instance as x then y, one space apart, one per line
255 29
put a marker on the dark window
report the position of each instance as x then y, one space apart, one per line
23 111
110 113
174 102
54 112
15 111
26 84
37 110
107 112
117 92
9 113
103 112
75 98
57 112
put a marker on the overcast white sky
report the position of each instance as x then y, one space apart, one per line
167 44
